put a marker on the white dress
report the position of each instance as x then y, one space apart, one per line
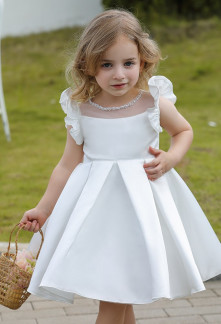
114 235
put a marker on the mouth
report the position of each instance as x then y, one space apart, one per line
119 85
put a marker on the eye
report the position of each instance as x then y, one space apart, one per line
129 63
106 65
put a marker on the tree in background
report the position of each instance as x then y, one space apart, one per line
154 10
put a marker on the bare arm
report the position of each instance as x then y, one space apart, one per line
181 138
72 156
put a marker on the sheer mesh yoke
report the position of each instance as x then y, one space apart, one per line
146 101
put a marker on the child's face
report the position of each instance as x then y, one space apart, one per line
119 68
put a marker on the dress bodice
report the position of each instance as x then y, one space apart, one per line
118 138
123 137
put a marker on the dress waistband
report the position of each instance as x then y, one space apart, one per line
144 160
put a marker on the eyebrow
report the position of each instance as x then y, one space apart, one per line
128 59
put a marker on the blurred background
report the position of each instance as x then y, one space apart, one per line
38 38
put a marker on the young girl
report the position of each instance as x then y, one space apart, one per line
120 224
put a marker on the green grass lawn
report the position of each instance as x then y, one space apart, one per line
33 75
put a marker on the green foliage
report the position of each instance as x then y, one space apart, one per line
33 75
158 10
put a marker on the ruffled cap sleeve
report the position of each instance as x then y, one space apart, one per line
72 112
159 86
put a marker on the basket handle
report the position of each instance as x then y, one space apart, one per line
16 240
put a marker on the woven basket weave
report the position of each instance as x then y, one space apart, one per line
14 281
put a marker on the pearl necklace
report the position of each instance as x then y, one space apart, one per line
119 107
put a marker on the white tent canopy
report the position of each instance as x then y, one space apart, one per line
3 111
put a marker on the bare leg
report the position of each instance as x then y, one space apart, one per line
111 313
129 315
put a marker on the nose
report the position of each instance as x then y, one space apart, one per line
118 73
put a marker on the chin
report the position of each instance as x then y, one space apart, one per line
120 92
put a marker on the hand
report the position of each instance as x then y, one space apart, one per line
33 219
158 166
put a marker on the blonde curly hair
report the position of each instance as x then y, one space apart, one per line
97 37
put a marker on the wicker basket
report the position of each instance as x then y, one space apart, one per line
14 281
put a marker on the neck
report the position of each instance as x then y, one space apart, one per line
106 99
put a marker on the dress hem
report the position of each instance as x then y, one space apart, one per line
71 301
50 296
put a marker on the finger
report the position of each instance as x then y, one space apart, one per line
151 174
33 224
21 224
153 177
154 151
24 220
153 171
151 164
37 227
26 226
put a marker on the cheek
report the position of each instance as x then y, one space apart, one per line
134 73
99 79
98 76
101 76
